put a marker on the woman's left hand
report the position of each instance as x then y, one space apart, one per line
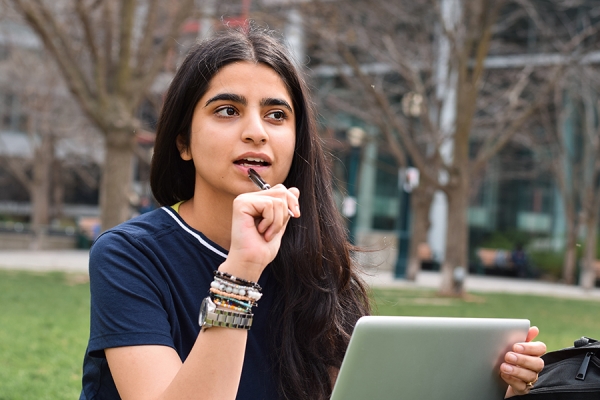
522 364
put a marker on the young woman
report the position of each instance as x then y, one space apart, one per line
269 271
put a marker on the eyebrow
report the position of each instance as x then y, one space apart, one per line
236 98
276 102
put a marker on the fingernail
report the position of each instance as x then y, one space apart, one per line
506 368
511 358
519 348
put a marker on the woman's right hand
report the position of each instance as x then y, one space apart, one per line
259 221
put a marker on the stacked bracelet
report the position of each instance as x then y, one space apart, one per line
236 289
230 298
240 300
234 279
223 303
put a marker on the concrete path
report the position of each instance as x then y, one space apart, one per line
76 261
478 283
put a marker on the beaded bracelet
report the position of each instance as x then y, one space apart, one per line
225 304
235 279
229 287
231 295
238 303
226 282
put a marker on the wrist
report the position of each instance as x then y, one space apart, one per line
229 303
247 271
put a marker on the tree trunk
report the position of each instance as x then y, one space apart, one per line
39 190
58 189
588 272
570 260
454 267
421 200
117 178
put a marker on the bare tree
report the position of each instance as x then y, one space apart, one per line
51 118
438 51
573 151
109 53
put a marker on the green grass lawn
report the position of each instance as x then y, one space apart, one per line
561 321
44 326
44 329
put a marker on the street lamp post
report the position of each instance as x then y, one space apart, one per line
403 236
408 179
355 137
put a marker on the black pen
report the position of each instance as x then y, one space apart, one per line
262 185
258 181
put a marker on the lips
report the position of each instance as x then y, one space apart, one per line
252 162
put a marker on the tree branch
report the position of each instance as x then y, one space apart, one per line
108 12
144 49
98 59
55 42
487 152
168 42
384 105
124 64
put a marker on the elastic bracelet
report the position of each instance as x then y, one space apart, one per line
226 286
225 302
231 295
235 279
233 285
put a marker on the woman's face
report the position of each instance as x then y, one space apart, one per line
244 120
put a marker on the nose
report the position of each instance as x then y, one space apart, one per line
254 130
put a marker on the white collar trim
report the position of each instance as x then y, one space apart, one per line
194 234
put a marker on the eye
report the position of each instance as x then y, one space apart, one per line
277 115
226 111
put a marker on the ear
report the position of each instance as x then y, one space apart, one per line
184 148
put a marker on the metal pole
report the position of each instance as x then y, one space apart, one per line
403 234
352 184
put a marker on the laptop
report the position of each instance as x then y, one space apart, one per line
427 358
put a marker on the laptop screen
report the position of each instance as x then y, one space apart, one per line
427 358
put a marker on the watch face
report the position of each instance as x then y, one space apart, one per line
206 306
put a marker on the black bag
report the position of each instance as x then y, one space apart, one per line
569 374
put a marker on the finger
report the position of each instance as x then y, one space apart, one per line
267 212
530 348
291 196
295 192
280 218
530 362
527 371
532 334
523 374
517 385
293 203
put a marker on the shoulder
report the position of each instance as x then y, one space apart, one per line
144 228
159 237
134 241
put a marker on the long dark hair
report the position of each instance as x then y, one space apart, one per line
321 295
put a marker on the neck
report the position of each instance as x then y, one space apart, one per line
209 215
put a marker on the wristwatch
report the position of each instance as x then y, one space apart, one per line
211 316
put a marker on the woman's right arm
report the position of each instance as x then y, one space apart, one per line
213 368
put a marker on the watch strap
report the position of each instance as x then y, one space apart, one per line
228 319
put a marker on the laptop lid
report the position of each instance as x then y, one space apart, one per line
429 358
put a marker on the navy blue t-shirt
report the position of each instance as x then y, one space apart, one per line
148 277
